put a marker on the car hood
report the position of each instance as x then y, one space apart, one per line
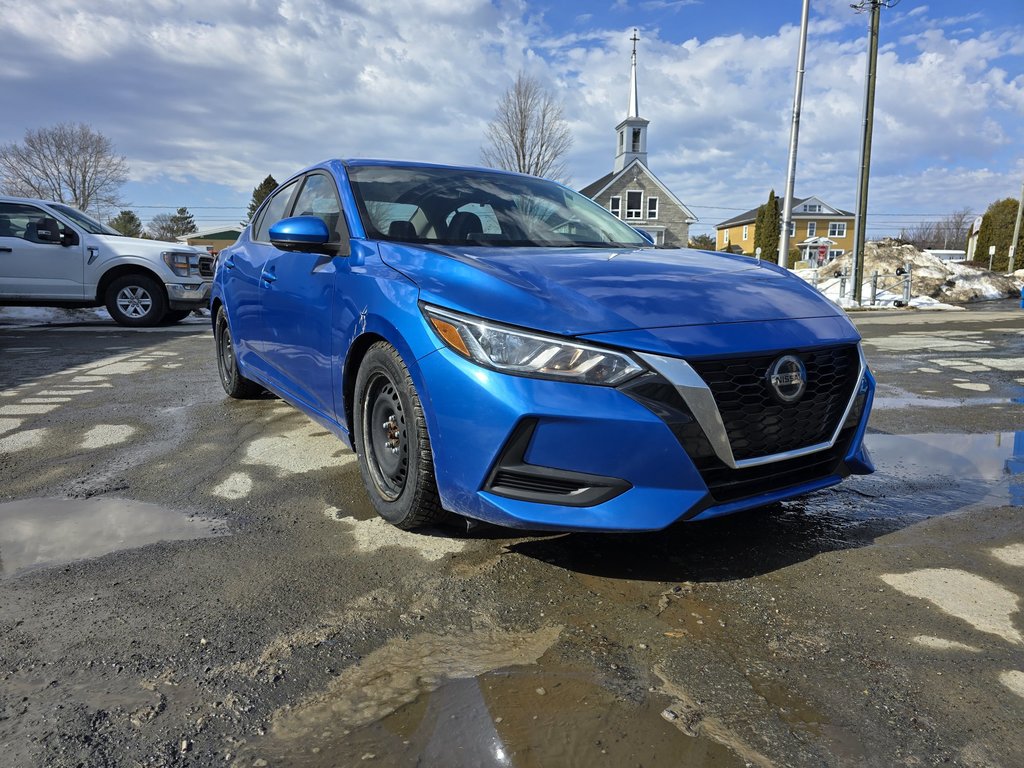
136 245
577 291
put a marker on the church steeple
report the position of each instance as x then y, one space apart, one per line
631 132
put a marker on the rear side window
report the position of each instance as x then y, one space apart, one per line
275 210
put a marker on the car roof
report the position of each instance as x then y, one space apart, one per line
35 200
356 162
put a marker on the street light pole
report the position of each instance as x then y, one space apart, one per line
794 132
865 149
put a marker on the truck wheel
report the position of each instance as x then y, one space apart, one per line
392 444
234 383
136 301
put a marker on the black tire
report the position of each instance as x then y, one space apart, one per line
136 301
234 383
176 315
391 441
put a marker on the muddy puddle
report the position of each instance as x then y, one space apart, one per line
439 713
36 533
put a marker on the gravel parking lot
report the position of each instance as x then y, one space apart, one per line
192 580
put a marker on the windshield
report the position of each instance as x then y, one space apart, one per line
449 206
91 226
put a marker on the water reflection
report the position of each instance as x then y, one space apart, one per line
47 531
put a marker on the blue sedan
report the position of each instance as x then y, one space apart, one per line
497 346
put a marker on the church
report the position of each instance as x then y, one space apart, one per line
631 191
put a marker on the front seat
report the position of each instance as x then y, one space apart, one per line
464 224
402 230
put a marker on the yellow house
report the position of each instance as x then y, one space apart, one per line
815 225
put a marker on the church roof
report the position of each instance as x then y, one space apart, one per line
594 190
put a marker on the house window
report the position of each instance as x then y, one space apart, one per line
615 206
792 229
652 207
813 208
725 237
812 228
636 139
835 254
837 229
634 205
746 231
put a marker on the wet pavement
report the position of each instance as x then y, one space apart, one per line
195 581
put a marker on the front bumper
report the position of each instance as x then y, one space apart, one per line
189 295
538 454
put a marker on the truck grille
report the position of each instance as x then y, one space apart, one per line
757 424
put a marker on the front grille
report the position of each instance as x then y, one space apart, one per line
206 266
757 424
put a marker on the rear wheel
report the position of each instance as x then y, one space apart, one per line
136 301
390 436
234 383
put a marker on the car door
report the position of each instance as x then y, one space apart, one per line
242 268
298 299
31 267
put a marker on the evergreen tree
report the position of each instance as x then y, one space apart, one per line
997 229
183 222
259 194
766 229
127 223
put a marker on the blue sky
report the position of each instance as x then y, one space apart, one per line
206 98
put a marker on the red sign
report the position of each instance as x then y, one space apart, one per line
823 250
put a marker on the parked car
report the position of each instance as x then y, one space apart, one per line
52 255
497 346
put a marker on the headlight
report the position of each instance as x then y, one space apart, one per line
182 263
521 353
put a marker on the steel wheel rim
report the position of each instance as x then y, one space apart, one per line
225 354
385 437
134 301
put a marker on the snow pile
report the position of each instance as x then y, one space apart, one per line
51 315
936 284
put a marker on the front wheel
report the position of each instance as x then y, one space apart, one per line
234 383
390 437
136 301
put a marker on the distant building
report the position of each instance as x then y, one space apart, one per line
631 191
213 239
816 225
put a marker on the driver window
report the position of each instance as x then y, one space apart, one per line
319 198
273 212
21 221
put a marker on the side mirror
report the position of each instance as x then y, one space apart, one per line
69 238
300 233
48 230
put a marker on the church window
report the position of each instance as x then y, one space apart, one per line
615 206
636 139
634 205
622 141
652 207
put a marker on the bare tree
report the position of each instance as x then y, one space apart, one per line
948 232
528 132
68 163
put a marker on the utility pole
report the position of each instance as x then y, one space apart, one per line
865 147
1016 229
794 132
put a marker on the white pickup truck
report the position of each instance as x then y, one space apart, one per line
52 255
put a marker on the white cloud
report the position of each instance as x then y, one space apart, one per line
225 92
